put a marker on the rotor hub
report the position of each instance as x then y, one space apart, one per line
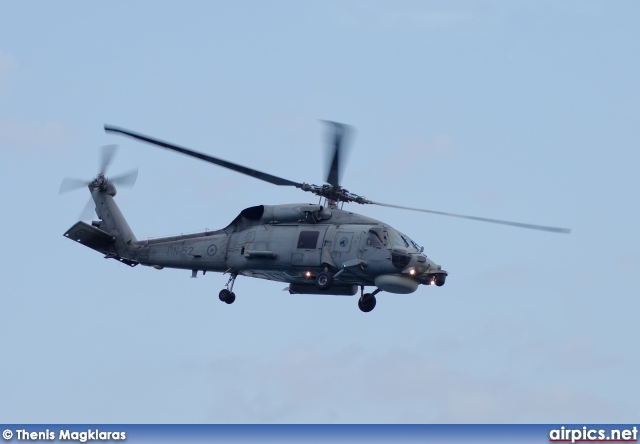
99 183
333 194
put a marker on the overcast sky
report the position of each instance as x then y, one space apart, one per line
525 111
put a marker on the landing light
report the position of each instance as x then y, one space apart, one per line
308 274
412 271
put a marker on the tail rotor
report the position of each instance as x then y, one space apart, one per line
127 179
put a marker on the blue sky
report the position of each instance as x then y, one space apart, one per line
523 111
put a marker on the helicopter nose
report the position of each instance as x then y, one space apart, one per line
429 265
424 262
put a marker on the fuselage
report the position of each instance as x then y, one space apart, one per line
293 243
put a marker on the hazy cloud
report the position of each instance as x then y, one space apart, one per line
488 195
507 274
33 136
6 66
417 15
628 262
568 353
400 386
439 146
420 152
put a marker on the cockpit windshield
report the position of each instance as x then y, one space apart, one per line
413 244
398 239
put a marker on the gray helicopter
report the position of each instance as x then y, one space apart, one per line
316 249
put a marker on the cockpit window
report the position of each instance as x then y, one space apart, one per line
396 239
413 244
376 238
402 240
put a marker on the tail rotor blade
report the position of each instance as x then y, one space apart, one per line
127 179
70 184
124 179
88 211
108 151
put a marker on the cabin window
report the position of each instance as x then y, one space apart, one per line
376 238
308 239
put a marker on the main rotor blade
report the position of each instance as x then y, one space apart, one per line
127 179
88 211
482 219
108 151
336 138
70 184
223 163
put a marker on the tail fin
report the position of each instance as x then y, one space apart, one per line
112 235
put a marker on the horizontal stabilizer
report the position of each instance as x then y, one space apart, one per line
91 237
96 239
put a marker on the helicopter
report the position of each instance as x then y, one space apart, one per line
314 248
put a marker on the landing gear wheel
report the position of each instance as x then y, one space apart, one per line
367 302
226 296
440 279
324 280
